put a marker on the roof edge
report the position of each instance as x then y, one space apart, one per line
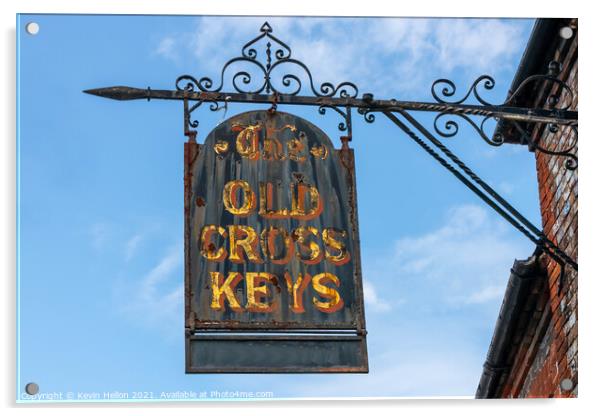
542 43
522 276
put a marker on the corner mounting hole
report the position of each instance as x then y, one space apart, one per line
32 28
566 32
32 389
566 384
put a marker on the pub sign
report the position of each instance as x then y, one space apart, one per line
272 271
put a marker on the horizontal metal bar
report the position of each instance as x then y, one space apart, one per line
563 117
262 326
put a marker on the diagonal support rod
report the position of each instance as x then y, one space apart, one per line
483 190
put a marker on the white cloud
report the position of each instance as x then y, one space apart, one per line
155 299
486 294
506 187
373 301
167 48
485 44
382 54
132 244
466 261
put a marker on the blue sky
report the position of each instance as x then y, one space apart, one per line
101 201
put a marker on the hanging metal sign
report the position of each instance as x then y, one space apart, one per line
273 277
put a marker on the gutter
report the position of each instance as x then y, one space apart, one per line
497 365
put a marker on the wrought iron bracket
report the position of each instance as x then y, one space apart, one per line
277 80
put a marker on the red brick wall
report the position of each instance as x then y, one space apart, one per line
555 356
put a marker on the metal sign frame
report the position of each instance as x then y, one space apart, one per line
219 339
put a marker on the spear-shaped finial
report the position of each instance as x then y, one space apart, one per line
121 93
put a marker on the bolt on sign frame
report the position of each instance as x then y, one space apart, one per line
281 85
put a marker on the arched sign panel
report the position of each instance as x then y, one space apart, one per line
273 275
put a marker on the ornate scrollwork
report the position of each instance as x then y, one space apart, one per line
343 125
259 75
214 106
443 90
450 128
571 162
553 99
554 69
266 32
448 89
367 113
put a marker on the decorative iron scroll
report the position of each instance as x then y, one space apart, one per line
443 91
343 125
571 161
367 113
244 82
451 128
214 106
448 90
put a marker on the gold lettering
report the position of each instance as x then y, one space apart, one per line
298 203
247 141
295 149
268 244
296 289
222 290
221 147
335 301
320 151
331 242
300 236
231 201
209 249
256 293
272 149
266 202
243 239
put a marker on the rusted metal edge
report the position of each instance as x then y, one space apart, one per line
347 159
276 325
255 370
190 154
345 338
255 331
